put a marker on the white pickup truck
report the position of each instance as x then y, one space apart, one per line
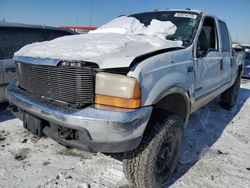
128 87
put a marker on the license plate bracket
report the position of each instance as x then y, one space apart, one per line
33 124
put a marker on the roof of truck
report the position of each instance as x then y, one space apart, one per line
192 11
184 10
187 10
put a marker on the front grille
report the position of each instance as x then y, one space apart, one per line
74 85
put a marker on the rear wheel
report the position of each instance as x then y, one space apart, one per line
153 162
229 97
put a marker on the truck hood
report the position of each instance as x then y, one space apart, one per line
108 47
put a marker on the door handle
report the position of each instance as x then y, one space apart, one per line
221 64
190 69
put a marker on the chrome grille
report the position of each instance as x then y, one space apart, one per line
73 85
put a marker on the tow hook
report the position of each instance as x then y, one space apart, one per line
65 133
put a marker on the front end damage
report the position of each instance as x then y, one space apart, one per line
87 128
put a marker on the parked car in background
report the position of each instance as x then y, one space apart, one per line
246 71
246 47
14 36
240 53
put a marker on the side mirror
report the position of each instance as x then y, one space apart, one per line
201 52
203 44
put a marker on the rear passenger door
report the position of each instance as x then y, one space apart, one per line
208 60
226 49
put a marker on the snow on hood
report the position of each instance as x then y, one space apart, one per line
114 37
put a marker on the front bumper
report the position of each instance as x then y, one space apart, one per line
103 130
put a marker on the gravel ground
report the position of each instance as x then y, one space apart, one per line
215 153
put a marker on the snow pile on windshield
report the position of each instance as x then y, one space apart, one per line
130 25
160 29
121 25
109 38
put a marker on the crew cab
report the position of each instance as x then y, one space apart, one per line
128 86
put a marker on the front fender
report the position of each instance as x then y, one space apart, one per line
171 83
159 73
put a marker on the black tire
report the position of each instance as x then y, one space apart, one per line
229 97
155 159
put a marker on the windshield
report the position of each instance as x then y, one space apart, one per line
186 23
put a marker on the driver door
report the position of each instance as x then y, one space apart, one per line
208 62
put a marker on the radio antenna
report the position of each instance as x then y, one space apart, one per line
91 13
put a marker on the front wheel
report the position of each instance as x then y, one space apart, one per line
153 162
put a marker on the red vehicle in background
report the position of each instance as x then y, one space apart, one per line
80 29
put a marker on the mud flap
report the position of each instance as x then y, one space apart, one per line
33 124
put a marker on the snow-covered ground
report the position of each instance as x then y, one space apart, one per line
215 153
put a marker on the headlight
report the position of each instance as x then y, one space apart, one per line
117 90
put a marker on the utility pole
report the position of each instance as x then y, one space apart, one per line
76 21
91 12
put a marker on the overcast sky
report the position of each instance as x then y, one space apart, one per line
77 12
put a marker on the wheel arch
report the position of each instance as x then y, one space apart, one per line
240 69
174 100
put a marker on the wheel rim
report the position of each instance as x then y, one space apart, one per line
167 157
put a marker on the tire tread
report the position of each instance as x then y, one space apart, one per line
137 162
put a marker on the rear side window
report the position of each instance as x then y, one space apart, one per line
224 37
14 38
52 34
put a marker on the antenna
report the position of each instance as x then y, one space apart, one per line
91 12
76 21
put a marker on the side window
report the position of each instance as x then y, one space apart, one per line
9 42
224 37
208 38
52 34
